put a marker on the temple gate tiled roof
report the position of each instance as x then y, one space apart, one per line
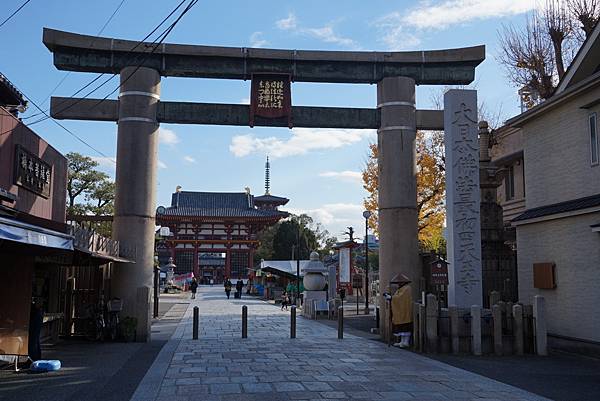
216 204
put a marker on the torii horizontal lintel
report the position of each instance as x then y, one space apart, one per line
75 52
237 114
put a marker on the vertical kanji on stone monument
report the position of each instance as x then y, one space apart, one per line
463 198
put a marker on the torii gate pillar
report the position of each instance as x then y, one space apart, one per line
135 202
398 247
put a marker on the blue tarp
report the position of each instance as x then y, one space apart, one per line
16 231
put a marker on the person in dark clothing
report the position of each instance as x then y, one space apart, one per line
36 319
227 287
194 287
238 287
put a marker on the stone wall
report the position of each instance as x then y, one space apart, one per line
572 307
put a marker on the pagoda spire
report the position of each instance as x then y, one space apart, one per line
267 176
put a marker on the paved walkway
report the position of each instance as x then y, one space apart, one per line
268 365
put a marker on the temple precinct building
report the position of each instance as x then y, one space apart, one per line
215 234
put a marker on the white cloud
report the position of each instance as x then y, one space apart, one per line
346 175
168 137
105 162
161 164
335 217
288 23
256 40
246 100
393 34
325 33
189 159
450 12
302 141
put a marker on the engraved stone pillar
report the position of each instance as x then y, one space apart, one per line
135 202
497 316
398 246
432 323
518 329
462 198
454 335
539 313
476 329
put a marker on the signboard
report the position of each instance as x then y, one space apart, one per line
357 281
344 265
270 97
31 172
439 272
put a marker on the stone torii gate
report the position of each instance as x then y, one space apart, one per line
139 111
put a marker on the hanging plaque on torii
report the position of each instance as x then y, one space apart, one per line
271 97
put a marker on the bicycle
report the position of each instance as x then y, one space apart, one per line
113 307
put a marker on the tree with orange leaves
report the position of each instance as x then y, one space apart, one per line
431 186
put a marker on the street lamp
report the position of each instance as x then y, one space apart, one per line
367 214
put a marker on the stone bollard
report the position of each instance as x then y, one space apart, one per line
340 322
454 339
518 329
529 346
539 313
509 316
476 329
416 334
432 322
293 322
196 323
497 316
244 321
422 313
494 298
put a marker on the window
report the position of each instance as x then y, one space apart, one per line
509 183
593 139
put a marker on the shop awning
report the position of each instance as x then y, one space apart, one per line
23 233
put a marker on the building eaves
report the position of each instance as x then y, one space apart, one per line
555 101
562 207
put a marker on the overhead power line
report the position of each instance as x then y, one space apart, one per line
14 13
116 10
162 37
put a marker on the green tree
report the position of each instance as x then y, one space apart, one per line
82 180
278 242
89 191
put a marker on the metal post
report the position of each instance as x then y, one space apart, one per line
357 302
298 266
156 292
293 322
367 310
340 322
244 321
196 322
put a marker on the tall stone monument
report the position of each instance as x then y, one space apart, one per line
462 198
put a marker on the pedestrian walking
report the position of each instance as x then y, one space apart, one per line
285 300
212 282
194 287
238 288
227 287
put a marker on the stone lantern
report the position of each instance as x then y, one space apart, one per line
314 285
314 274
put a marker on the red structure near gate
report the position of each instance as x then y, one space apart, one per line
215 234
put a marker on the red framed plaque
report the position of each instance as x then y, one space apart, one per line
271 97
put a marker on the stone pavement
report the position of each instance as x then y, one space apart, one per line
268 365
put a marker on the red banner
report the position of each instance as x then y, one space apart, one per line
270 97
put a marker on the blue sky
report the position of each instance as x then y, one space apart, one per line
318 170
